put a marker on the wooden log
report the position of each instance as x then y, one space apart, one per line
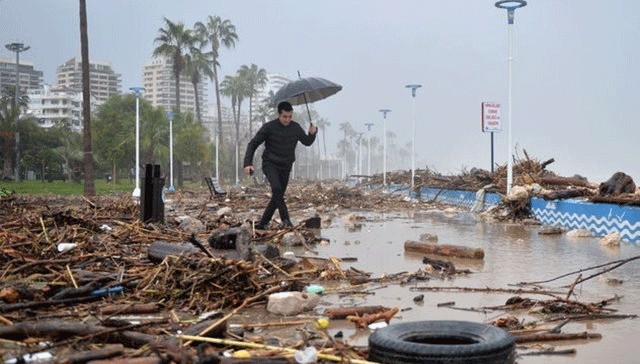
551 352
342 313
555 337
565 181
446 250
143 360
85 356
546 163
364 321
562 194
59 330
135 308
40 304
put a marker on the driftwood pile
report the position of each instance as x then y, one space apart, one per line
527 171
77 280
72 267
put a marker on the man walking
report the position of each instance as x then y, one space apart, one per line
280 137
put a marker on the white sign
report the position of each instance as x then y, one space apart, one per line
491 121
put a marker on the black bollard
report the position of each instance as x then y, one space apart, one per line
151 203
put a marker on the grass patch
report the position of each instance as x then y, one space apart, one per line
65 188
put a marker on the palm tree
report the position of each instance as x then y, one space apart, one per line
265 112
255 78
217 32
237 89
322 124
403 154
347 129
344 145
197 64
172 42
70 149
89 186
9 116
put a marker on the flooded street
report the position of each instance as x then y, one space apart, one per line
513 253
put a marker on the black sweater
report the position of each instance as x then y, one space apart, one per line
279 143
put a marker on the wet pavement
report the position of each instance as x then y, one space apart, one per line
513 253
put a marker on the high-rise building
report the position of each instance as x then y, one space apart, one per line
160 88
51 105
104 82
30 78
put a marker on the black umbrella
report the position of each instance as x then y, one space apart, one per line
305 90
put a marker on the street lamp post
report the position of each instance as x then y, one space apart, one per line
369 125
137 91
510 6
413 137
360 153
17 47
384 145
171 186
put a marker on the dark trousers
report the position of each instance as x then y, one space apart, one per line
278 177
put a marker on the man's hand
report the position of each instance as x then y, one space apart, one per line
312 129
249 170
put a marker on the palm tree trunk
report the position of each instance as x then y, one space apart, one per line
7 150
195 92
250 118
324 143
89 186
177 74
238 144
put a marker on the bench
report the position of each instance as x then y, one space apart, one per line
214 187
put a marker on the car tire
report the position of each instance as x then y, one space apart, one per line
451 342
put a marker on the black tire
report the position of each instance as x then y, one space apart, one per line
450 342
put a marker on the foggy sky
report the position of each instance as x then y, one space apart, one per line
576 72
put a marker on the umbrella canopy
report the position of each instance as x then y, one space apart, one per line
305 90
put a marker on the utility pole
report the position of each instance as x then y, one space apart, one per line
384 145
137 91
17 47
413 137
510 6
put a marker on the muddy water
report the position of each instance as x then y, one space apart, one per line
513 253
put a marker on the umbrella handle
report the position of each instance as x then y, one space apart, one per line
307 105
305 100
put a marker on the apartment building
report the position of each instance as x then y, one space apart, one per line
104 82
160 88
30 78
51 105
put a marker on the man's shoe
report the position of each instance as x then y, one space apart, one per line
286 223
260 226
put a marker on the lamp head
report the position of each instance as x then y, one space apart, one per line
413 89
137 90
510 6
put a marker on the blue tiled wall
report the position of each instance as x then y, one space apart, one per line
599 218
